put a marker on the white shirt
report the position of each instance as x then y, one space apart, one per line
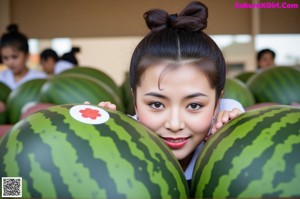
7 77
62 65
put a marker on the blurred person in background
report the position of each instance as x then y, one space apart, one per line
265 59
14 50
52 64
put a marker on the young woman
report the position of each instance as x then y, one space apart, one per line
177 76
52 64
14 52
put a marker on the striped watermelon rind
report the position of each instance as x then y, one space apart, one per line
76 88
127 95
238 90
255 155
97 74
58 157
278 84
26 93
4 93
244 76
113 93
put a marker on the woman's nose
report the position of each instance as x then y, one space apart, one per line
175 121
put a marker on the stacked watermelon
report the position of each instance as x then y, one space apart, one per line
75 85
127 95
238 90
4 93
80 84
22 96
244 76
254 156
96 74
77 88
276 84
84 151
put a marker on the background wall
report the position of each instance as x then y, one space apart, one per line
108 31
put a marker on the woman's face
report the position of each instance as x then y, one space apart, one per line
181 110
48 65
14 59
266 60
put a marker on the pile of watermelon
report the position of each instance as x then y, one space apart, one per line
75 85
4 92
68 145
276 85
84 151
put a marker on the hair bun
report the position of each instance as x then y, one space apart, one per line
156 19
12 28
193 17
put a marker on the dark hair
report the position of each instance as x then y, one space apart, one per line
179 38
14 38
45 54
264 51
70 56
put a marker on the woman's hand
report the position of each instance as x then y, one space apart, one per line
107 105
223 117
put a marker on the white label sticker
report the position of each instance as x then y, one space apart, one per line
89 114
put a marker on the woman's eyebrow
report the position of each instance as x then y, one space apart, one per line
196 95
154 94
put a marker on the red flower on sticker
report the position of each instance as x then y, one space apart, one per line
90 113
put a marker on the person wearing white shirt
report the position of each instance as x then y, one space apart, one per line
14 51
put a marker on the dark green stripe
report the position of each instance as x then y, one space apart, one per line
44 157
292 158
213 145
28 92
58 90
263 87
155 189
85 156
231 153
269 86
3 151
81 90
253 172
285 86
236 150
139 166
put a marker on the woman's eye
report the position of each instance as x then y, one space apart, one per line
194 106
156 105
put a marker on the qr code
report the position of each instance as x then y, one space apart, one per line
11 187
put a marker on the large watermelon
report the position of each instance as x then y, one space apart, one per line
238 90
127 95
75 88
255 155
244 76
84 151
4 92
26 93
97 74
276 84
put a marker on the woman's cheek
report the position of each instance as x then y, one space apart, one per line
200 124
149 120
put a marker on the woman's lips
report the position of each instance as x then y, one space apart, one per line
175 143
